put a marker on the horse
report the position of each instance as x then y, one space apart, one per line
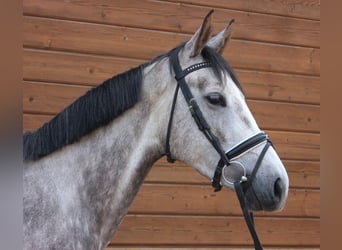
83 168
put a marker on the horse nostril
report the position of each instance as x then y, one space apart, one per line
278 188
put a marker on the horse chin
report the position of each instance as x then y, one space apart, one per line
262 201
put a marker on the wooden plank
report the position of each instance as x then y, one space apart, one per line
296 146
202 200
175 17
303 174
52 99
285 116
309 9
280 87
113 247
145 45
42 33
215 231
90 70
273 58
98 39
202 248
289 145
49 98
32 122
72 68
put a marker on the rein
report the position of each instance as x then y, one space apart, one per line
244 181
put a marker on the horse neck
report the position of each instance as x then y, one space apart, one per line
89 185
133 151
114 160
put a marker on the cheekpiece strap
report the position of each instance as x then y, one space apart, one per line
192 104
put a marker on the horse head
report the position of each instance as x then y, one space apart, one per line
220 121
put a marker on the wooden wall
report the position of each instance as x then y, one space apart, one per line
70 46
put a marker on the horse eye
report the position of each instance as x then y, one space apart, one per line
216 99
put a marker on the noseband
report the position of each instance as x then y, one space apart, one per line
245 180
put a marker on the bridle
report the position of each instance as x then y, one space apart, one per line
244 181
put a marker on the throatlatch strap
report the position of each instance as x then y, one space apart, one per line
168 134
248 215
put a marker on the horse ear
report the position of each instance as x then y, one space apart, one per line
201 37
219 41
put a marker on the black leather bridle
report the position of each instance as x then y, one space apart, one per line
244 181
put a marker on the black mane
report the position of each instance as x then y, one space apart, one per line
96 108
101 105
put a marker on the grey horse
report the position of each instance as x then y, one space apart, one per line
83 169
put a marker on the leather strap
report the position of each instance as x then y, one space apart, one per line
246 145
257 165
169 126
248 215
